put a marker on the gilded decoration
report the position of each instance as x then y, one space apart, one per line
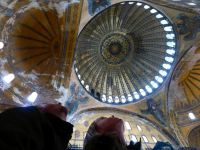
125 53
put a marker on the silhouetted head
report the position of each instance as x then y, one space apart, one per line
105 142
55 109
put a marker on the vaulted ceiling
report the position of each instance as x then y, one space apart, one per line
38 40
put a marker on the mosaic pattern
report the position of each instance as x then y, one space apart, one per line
188 26
39 39
154 109
76 98
95 6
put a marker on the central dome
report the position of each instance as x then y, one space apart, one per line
125 52
115 47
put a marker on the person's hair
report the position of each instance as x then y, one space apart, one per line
105 142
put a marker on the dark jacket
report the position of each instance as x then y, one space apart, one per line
29 129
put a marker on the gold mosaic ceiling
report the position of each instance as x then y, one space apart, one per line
39 40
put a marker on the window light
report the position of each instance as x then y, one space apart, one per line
136 95
145 139
139 128
139 4
87 87
79 76
123 99
164 22
169 59
159 79
170 51
32 97
191 116
82 82
148 88
8 78
159 16
103 98
133 138
76 69
110 100
170 36
154 84
153 11
171 44
142 92
130 3
116 99
1 45
191 4
127 125
146 7
130 98
169 28
166 66
122 3
154 139
163 73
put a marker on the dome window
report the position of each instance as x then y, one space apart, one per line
130 3
171 44
130 98
153 11
159 16
169 59
163 73
146 7
164 22
169 28
139 4
142 92
159 79
123 99
166 66
154 84
136 95
148 88
116 99
170 36
170 51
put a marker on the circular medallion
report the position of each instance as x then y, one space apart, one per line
114 48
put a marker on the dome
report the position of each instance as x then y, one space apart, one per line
36 51
125 52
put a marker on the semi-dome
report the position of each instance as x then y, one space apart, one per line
126 52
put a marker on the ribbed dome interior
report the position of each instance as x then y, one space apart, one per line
125 52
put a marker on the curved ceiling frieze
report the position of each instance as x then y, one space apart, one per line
125 53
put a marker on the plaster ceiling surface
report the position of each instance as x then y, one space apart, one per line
38 45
